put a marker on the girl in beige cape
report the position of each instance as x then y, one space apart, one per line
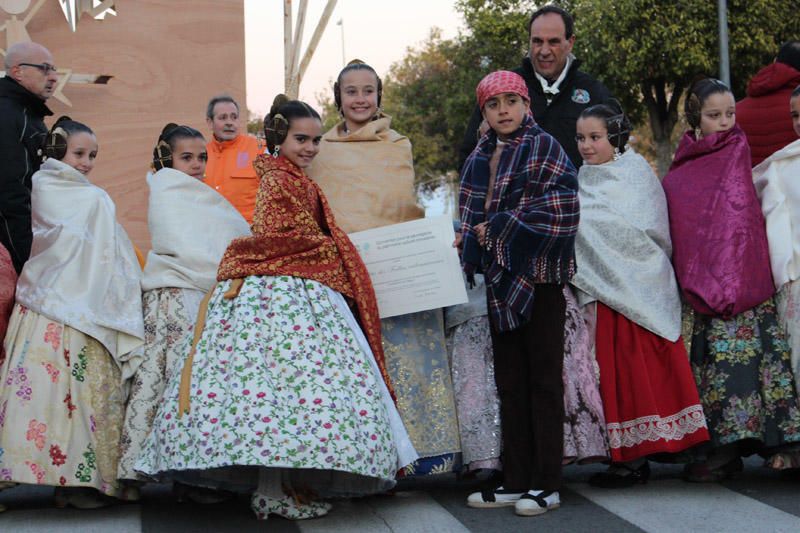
366 171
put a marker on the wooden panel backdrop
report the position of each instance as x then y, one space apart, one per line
167 58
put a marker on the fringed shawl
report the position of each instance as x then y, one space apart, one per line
719 240
533 219
295 234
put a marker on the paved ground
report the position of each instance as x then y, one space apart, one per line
758 500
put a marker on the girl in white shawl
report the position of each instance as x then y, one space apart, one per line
190 226
623 250
75 334
779 191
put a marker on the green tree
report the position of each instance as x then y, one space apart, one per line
430 92
649 51
255 124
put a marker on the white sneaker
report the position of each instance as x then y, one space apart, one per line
488 499
535 502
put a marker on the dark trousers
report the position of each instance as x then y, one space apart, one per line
528 363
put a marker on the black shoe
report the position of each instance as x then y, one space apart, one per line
623 477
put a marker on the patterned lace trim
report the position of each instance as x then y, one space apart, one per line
652 428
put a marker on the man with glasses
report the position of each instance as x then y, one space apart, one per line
29 81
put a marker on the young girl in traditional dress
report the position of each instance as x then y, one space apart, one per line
625 276
739 351
778 189
75 334
366 171
190 226
284 377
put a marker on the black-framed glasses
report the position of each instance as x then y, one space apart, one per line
47 68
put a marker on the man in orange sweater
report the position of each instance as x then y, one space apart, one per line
230 156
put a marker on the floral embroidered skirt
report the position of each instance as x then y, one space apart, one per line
416 360
743 371
169 318
584 424
788 302
61 406
649 394
282 378
477 402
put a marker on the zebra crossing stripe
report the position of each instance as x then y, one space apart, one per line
674 505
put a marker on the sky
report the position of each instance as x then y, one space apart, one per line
375 31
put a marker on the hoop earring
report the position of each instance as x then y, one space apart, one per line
276 151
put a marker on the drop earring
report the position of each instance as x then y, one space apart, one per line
617 153
276 151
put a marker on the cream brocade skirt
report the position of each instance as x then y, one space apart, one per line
61 406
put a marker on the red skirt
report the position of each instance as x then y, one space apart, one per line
649 394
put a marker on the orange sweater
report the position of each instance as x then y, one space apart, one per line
230 171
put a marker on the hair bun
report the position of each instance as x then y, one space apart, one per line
62 118
356 62
279 101
168 128
615 105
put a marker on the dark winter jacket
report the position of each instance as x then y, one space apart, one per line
22 134
577 91
764 115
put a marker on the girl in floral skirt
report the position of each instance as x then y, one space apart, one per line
286 391
75 334
739 352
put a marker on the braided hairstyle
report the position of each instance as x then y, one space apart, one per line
55 145
617 123
171 134
698 93
279 119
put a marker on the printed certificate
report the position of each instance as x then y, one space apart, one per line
413 265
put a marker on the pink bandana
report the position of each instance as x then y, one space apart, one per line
500 82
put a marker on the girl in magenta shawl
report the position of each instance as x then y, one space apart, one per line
739 351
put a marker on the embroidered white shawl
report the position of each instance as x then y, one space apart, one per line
777 182
190 225
83 270
623 247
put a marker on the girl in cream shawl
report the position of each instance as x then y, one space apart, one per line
190 227
75 334
779 191
367 173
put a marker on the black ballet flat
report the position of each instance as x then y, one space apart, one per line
633 476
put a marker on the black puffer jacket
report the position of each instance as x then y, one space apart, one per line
577 92
22 135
